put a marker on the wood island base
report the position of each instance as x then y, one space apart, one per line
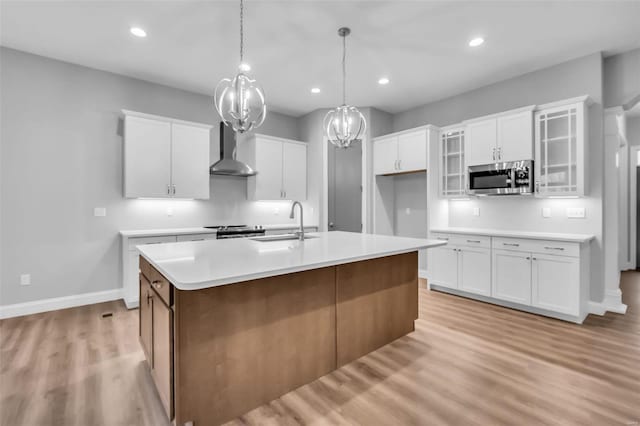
219 352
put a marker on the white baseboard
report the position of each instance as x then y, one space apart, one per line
35 307
597 308
422 273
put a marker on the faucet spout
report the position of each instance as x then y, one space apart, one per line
300 233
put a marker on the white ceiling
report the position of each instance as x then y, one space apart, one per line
293 45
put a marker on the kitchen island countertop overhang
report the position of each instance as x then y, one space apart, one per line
196 265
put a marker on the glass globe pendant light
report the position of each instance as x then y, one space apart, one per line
344 124
240 101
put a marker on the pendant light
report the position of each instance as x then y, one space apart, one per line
240 101
344 124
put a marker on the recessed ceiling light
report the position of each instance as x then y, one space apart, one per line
383 81
475 42
244 67
138 32
315 90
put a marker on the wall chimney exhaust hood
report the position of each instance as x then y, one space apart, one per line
228 165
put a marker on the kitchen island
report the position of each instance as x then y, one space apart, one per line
228 325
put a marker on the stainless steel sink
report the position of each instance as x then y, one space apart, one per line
280 237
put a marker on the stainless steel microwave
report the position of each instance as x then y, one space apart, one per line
506 178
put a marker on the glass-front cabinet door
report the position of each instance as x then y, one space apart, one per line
452 173
560 150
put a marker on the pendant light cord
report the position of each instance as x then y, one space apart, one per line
344 70
241 31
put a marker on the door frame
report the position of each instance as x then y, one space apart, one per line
324 225
633 164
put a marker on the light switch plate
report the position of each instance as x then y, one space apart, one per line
100 211
25 279
476 211
576 212
546 212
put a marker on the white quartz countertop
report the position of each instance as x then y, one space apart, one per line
195 265
196 230
576 238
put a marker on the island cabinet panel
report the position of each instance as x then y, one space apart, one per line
376 303
162 371
239 346
146 324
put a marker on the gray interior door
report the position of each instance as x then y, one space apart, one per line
345 188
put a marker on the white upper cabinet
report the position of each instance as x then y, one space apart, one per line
561 148
281 165
504 137
412 151
515 137
294 171
400 153
189 161
165 158
480 143
385 156
452 172
147 157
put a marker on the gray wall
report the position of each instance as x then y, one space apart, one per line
621 78
61 156
582 76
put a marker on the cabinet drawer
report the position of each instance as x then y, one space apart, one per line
514 244
133 242
159 283
470 240
196 237
559 248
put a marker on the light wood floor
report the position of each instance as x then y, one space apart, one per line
466 363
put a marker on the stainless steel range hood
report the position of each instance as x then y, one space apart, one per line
228 165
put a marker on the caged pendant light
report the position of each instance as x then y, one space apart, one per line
344 124
240 101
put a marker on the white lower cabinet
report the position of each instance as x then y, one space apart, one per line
462 267
511 276
544 277
445 270
474 270
555 283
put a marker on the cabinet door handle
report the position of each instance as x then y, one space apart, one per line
399 164
554 248
442 238
533 258
157 283
500 153
173 188
511 244
168 189
474 241
528 258
494 154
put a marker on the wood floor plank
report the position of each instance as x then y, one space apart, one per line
467 362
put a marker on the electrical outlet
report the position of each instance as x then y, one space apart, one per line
276 211
100 212
476 211
546 212
25 279
407 211
169 211
576 212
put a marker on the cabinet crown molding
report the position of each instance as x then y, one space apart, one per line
501 114
586 99
128 113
